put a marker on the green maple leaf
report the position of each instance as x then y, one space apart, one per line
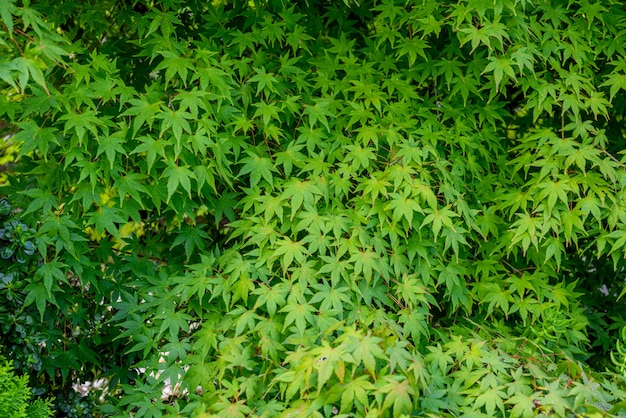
290 157
192 101
178 176
413 48
51 273
267 111
272 297
152 148
112 145
365 349
133 185
399 356
617 82
365 262
399 393
330 360
143 110
300 314
523 406
38 294
357 389
175 65
257 167
403 207
289 250
335 298
299 192
319 112
265 81
438 218
107 219
174 322
500 67
82 122
491 399
177 121
192 238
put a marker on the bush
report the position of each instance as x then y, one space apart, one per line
321 208
15 396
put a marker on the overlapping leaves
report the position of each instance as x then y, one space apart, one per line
377 209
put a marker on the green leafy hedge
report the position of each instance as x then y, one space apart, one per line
322 208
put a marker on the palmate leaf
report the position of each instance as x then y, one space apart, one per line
178 176
34 137
399 356
299 314
439 218
360 157
29 68
399 393
228 409
43 292
617 82
330 297
289 251
403 207
133 185
557 398
483 35
175 65
176 121
80 123
365 349
174 322
454 238
524 59
143 110
500 67
597 104
319 112
290 157
412 48
265 81
257 167
192 101
112 145
528 230
51 273
365 263
152 147
374 187
272 297
300 192
267 112
356 390
330 360
107 219
192 238
491 399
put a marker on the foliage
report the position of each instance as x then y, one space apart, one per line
15 396
320 208
34 344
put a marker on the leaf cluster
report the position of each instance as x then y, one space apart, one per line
315 209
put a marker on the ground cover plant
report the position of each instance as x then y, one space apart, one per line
318 208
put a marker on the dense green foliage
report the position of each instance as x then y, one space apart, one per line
318 208
15 396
